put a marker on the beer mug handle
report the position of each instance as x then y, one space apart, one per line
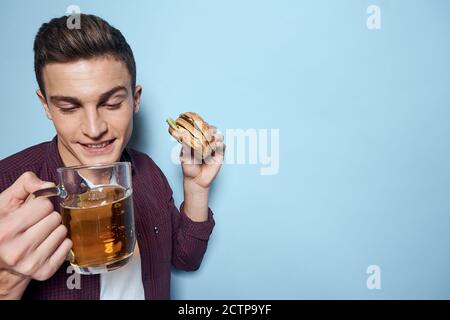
54 191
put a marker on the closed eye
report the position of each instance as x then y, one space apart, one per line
68 109
113 106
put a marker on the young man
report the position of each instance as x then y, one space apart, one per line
87 86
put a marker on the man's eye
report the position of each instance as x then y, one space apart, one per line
68 110
113 106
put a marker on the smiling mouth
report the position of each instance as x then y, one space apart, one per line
98 146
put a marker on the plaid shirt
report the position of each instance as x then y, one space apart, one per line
166 237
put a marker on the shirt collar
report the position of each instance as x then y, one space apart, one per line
126 157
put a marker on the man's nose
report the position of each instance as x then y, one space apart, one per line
93 126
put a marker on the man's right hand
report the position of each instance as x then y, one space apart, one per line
33 241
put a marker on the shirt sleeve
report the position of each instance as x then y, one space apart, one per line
189 238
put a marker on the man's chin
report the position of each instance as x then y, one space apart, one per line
91 158
98 160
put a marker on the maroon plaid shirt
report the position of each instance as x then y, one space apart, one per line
166 237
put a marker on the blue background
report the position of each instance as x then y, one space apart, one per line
364 119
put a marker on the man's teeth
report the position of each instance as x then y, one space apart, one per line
99 145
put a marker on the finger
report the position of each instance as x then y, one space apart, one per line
211 132
24 244
27 183
217 137
36 234
46 249
176 135
212 129
197 157
30 213
220 148
219 153
185 152
54 262
45 185
190 156
217 156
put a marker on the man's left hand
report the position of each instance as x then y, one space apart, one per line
200 174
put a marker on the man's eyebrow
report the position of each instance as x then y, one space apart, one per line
106 95
72 100
102 99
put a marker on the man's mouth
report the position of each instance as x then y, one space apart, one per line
99 147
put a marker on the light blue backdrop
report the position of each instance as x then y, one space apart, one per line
364 120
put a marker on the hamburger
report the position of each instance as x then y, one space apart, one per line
191 129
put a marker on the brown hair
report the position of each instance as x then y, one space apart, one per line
55 42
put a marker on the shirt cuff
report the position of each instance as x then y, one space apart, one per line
199 230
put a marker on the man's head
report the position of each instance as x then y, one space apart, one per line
87 86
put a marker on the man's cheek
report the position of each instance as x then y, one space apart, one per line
124 124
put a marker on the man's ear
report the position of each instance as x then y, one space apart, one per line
137 98
44 103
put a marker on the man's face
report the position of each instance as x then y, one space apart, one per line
91 105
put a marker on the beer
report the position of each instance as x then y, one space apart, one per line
101 226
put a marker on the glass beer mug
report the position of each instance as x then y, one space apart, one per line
97 208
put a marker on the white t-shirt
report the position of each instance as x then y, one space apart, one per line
124 283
